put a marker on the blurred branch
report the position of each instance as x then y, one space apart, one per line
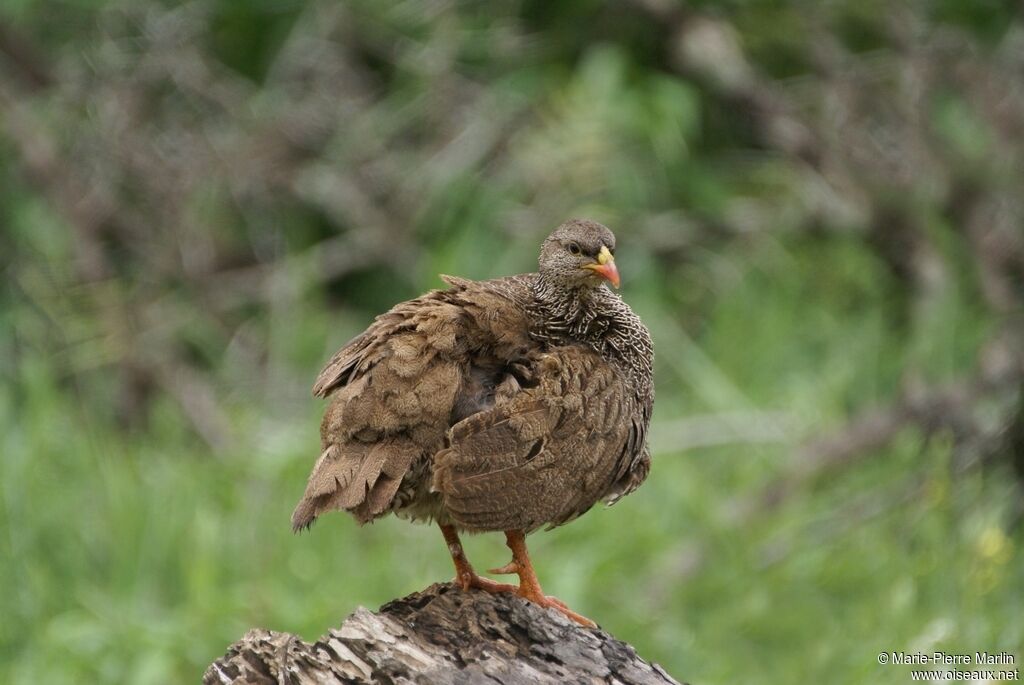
84 209
24 61
728 428
932 409
197 399
707 49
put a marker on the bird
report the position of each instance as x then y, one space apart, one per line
502 405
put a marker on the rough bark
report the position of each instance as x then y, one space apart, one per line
440 635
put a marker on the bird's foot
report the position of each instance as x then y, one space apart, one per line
556 604
532 593
465 576
529 587
469 580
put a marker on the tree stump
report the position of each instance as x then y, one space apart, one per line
440 635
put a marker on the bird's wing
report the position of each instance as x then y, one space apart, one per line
548 453
481 309
375 344
394 389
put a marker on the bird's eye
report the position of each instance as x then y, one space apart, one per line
574 248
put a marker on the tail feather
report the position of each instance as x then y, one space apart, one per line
363 480
331 476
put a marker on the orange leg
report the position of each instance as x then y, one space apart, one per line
465 576
529 586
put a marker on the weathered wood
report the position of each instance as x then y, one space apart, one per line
440 635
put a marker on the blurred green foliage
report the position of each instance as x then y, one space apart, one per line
201 202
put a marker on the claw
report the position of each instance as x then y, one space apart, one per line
559 605
511 568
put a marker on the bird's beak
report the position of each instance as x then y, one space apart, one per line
605 266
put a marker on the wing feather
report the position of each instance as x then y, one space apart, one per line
546 455
394 390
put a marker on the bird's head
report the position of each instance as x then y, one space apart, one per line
580 254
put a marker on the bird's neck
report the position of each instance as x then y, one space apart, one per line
563 314
560 302
597 318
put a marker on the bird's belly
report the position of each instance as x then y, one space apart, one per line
415 501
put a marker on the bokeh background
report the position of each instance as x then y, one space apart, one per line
819 210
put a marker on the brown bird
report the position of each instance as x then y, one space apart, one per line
500 405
